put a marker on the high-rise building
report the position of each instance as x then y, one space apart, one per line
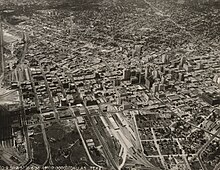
133 53
164 59
161 69
187 67
138 75
147 72
63 102
161 87
162 79
138 49
149 81
182 60
116 82
155 88
141 78
134 80
181 77
155 74
133 72
126 74
200 65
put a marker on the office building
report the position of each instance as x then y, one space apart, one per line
126 74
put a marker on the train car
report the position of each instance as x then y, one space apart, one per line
122 121
109 131
104 122
114 124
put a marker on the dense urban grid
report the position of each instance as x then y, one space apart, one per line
120 84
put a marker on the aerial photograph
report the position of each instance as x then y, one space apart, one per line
109 84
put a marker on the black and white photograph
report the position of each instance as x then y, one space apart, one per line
109 84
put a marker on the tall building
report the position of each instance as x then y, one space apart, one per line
138 49
149 82
126 74
155 87
164 59
162 79
182 60
155 74
181 77
161 87
141 78
200 65
116 82
147 72
133 53
134 80
138 74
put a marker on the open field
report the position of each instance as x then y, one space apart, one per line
39 150
66 145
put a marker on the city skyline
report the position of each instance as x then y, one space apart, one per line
124 84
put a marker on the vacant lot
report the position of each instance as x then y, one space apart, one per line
66 146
